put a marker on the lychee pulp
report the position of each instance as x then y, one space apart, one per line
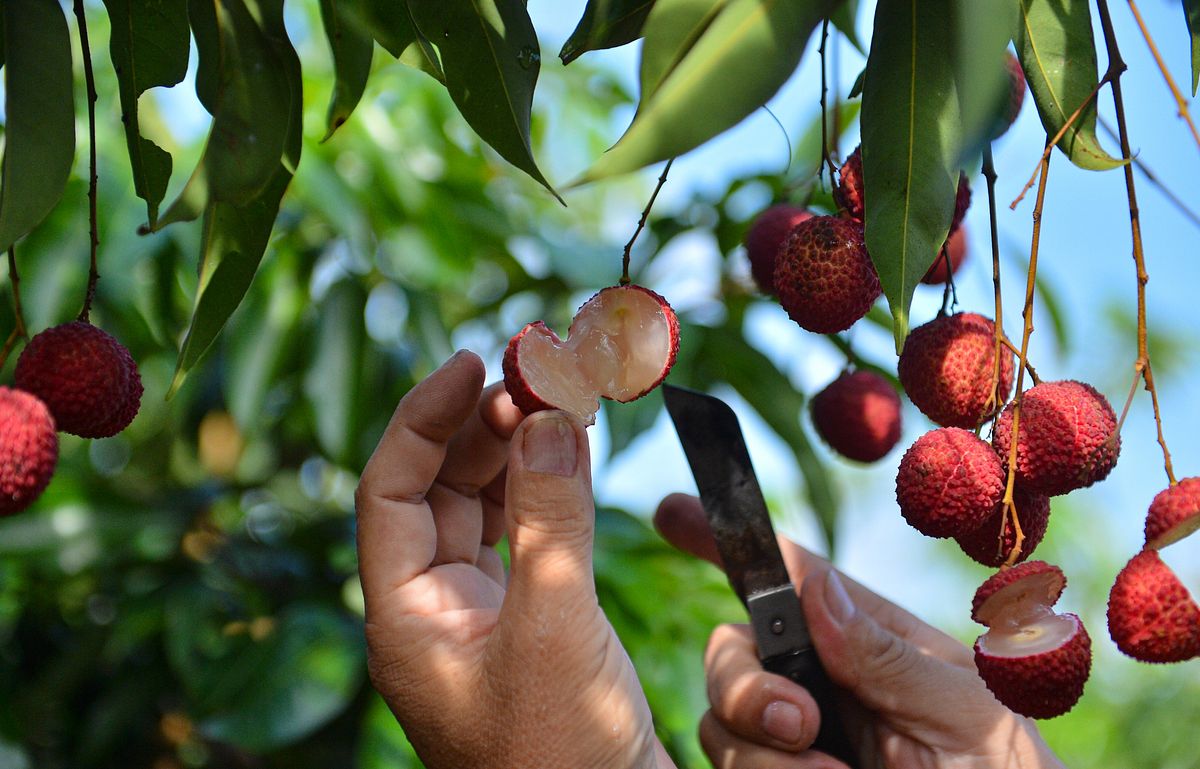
1020 621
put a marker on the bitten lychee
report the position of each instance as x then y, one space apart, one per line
766 236
621 345
1151 616
823 275
86 378
946 369
1174 514
858 415
1067 437
987 546
28 449
949 483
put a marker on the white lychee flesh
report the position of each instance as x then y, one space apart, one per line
1019 618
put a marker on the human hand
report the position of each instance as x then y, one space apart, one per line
914 697
484 671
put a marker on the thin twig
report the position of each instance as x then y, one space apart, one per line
1180 102
93 219
824 115
1008 343
18 331
1050 147
662 179
989 173
1151 177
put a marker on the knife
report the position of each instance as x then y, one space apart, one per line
741 525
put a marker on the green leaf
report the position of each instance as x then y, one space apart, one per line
606 24
39 109
845 17
352 48
738 62
490 55
149 47
1058 53
1191 12
334 378
981 71
672 29
391 24
909 130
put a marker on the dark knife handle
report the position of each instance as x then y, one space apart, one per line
804 668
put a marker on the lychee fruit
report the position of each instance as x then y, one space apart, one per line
949 483
766 236
850 196
1151 617
946 369
823 275
1034 661
1174 514
86 378
28 449
989 546
956 251
621 344
1067 437
858 415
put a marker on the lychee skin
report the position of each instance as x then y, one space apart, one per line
858 415
1174 513
1050 576
523 397
86 378
948 483
823 275
1151 617
946 369
956 250
766 236
985 545
28 449
1040 685
1067 438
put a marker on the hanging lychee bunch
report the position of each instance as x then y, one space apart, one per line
858 415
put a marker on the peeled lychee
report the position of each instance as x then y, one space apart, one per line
858 415
956 250
28 449
988 546
1067 437
1151 617
1174 514
86 378
948 483
766 236
823 275
946 369
620 346
1036 662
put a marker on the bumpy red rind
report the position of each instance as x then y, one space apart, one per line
948 483
1012 576
1174 514
823 275
987 546
1042 685
1151 616
858 415
766 236
523 397
28 449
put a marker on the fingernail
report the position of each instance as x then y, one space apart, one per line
784 722
549 446
837 599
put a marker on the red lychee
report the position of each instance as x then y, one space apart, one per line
1174 514
989 547
946 369
86 378
948 483
824 277
28 449
1151 617
620 346
858 415
766 236
956 250
1067 437
1036 662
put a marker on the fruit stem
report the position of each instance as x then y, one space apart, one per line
641 222
1008 343
18 331
826 159
989 173
1151 177
1116 65
1050 147
1179 100
93 219
950 292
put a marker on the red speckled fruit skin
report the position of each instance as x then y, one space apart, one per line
1041 685
858 415
948 483
766 236
983 544
946 369
849 191
1174 513
672 329
1067 437
518 389
956 249
823 275
85 377
1006 577
1151 617
28 449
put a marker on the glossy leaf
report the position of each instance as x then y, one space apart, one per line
333 382
606 24
671 30
909 134
489 52
391 24
149 48
981 71
352 48
738 62
1058 53
1191 12
39 109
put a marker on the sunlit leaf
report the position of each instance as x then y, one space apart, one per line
391 24
606 24
1191 11
39 109
352 49
671 30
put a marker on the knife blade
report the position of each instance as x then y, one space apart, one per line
741 524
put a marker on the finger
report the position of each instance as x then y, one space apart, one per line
493 508
763 707
727 750
397 539
680 520
488 561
